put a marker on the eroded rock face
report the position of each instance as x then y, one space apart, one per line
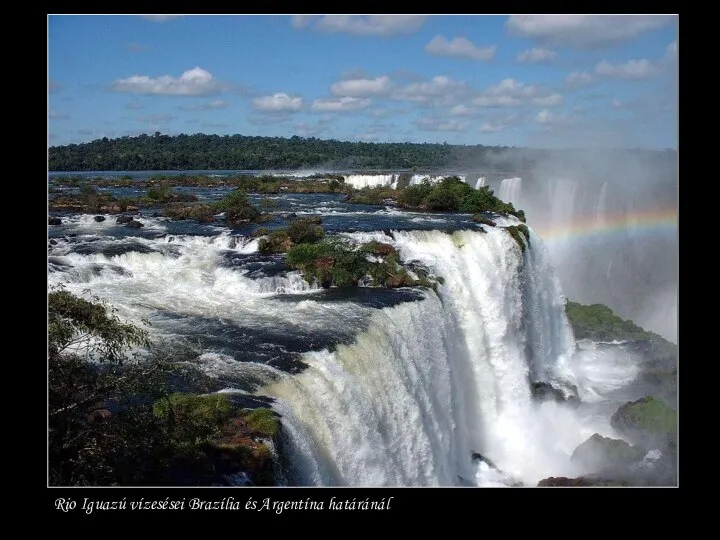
600 452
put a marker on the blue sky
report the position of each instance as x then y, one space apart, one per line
544 81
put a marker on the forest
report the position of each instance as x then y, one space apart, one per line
239 152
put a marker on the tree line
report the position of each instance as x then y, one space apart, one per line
238 152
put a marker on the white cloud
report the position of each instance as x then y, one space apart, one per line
511 93
194 82
489 127
301 21
362 87
210 105
440 124
583 31
342 104
279 102
633 69
461 110
671 52
553 100
578 79
537 55
548 118
160 18
440 90
460 47
363 25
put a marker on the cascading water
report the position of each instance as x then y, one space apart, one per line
430 382
510 190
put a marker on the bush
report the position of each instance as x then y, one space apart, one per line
192 417
237 208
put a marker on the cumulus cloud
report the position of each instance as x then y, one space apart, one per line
278 102
440 90
207 106
461 110
633 69
548 118
194 82
537 55
362 25
342 104
583 31
490 127
441 124
362 87
579 79
459 47
511 93
160 18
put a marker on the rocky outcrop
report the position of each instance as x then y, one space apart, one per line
598 453
54 221
648 422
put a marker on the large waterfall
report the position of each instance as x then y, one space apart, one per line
430 382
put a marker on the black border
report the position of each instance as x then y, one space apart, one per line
457 511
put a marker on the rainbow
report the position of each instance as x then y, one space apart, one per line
648 222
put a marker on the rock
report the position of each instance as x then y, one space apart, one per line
380 248
600 452
99 219
54 221
134 224
291 215
581 481
647 421
53 242
476 456
124 219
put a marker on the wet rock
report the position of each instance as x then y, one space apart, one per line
600 452
54 221
99 219
134 224
124 219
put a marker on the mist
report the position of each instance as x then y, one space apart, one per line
608 219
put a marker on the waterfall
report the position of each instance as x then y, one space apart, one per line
430 382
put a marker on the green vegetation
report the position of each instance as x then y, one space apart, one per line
234 152
453 195
117 418
477 218
520 234
237 208
598 452
598 323
263 422
303 230
646 419
375 195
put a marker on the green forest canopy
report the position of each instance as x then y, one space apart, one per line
239 152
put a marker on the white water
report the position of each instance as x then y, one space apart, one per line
360 181
430 382
510 190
